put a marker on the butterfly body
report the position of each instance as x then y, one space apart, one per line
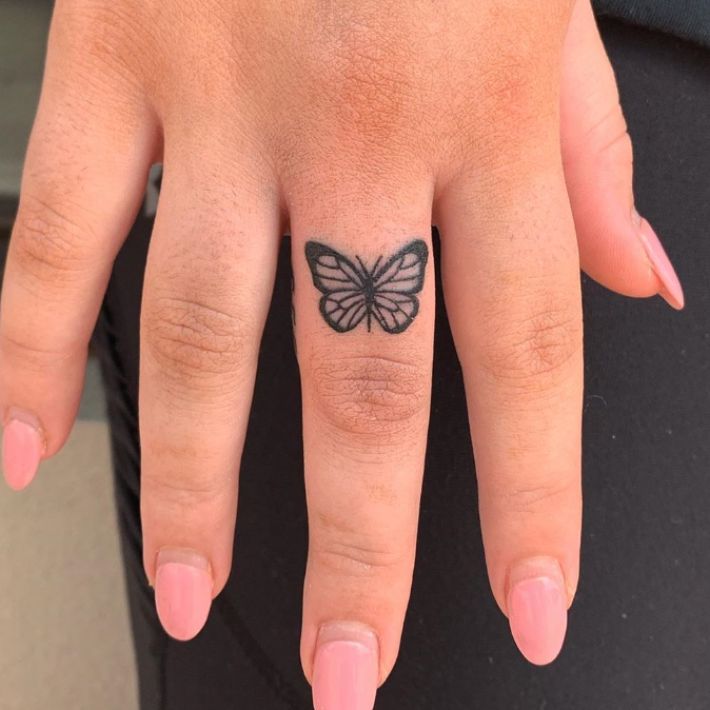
352 292
368 289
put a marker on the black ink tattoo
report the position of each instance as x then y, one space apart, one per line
353 293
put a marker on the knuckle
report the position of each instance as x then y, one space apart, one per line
537 350
180 472
351 559
537 496
184 490
35 355
617 143
368 395
518 63
347 552
111 37
47 243
607 137
370 54
198 345
506 101
509 88
369 88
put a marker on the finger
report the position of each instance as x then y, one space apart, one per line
366 399
84 176
208 284
618 248
510 271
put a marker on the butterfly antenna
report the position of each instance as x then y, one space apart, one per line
377 263
362 266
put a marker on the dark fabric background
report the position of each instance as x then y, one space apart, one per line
639 633
688 19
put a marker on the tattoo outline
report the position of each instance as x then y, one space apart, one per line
352 292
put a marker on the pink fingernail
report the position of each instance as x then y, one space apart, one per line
22 448
537 610
183 592
346 668
671 290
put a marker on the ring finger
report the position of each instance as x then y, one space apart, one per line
510 269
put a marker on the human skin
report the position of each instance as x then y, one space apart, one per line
358 125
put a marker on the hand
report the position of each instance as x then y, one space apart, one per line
353 127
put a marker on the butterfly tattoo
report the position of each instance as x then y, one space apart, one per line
353 293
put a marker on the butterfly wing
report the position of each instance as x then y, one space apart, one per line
395 285
343 285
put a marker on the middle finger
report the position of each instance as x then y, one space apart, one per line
364 305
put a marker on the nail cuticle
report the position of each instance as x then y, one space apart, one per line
345 667
23 448
15 414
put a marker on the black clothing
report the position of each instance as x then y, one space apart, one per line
639 631
688 19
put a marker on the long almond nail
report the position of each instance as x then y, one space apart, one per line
183 592
670 287
537 609
22 448
345 670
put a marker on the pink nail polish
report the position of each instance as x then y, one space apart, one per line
22 448
537 609
183 592
671 290
346 668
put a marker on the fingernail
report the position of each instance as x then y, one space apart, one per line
537 609
346 668
671 290
22 449
183 592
